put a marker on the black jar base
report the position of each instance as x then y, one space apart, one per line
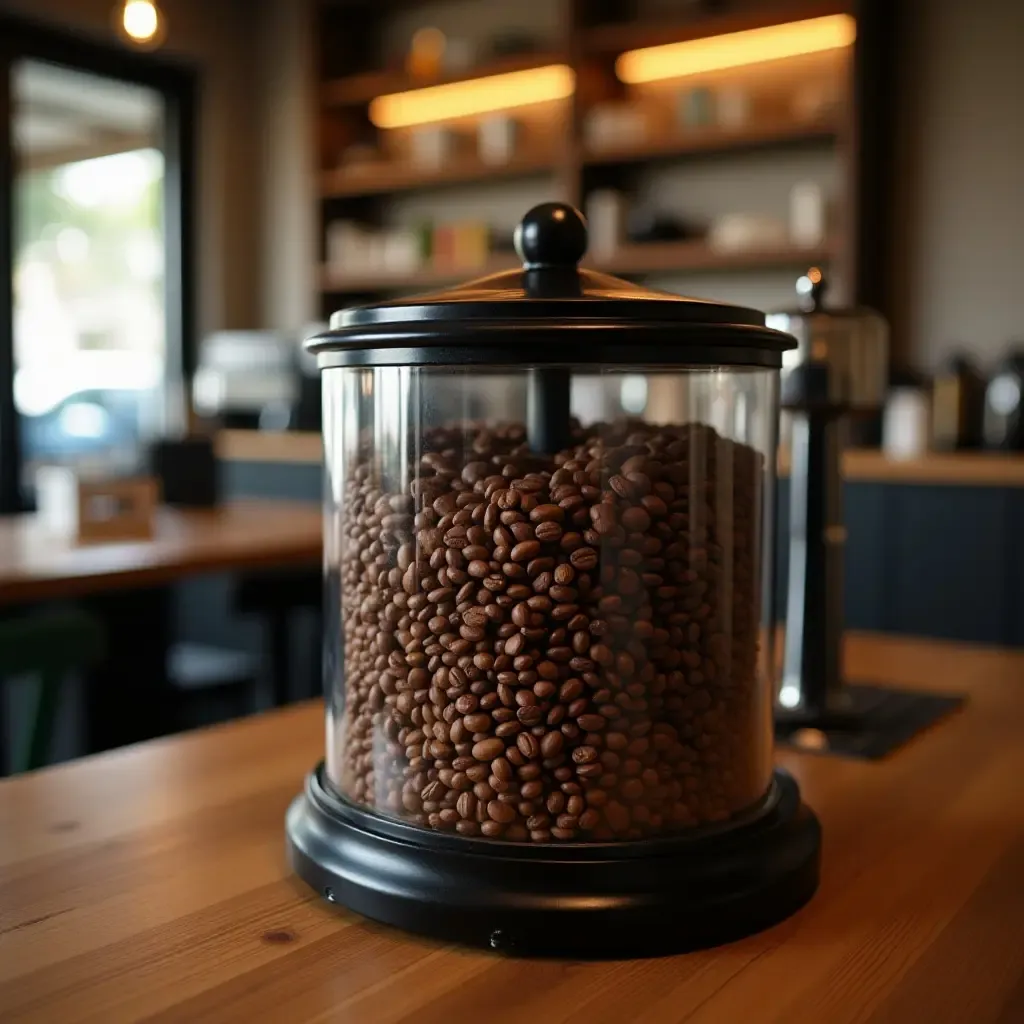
601 900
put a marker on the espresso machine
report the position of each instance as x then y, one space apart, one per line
838 372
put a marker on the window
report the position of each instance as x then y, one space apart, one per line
95 254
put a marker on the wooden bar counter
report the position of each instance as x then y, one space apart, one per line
151 884
954 469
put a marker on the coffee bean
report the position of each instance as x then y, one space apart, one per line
565 619
547 514
551 744
514 644
584 755
487 750
525 550
584 559
635 520
501 813
548 532
528 745
529 716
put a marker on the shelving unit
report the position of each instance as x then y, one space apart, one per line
696 256
385 177
713 141
629 261
424 279
616 37
353 90
366 191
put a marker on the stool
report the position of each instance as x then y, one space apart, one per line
47 645
274 596
209 684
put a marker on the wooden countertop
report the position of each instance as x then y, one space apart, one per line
36 564
963 469
150 883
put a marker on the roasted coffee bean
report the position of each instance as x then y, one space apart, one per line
551 744
547 514
528 745
564 574
548 532
500 812
584 559
518 625
487 750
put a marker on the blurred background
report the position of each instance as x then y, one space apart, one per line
187 190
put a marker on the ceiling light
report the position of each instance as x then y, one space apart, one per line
476 96
773 42
141 23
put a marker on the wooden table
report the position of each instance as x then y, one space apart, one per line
36 564
150 884
125 585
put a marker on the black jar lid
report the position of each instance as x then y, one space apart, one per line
551 312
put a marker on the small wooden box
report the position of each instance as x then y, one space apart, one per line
96 510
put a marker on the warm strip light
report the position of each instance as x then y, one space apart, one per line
477 96
773 42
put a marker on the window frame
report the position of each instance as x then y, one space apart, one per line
178 84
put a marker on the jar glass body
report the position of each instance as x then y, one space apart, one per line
549 646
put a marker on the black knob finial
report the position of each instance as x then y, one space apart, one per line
551 235
810 290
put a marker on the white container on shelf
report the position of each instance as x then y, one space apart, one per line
733 107
346 245
807 214
738 232
611 125
497 138
431 146
905 423
606 221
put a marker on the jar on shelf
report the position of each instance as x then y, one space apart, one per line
547 661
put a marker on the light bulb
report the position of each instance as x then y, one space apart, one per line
141 22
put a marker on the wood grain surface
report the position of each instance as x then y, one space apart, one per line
36 563
150 884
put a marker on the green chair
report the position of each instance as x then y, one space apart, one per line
46 646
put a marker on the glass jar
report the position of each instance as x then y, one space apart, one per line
555 644
547 499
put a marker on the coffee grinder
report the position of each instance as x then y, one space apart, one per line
839 371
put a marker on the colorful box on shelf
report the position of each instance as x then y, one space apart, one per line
461 246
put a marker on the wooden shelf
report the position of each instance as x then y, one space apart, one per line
354 90
615 38
693 256
630 260
333 282
710 141
389 177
